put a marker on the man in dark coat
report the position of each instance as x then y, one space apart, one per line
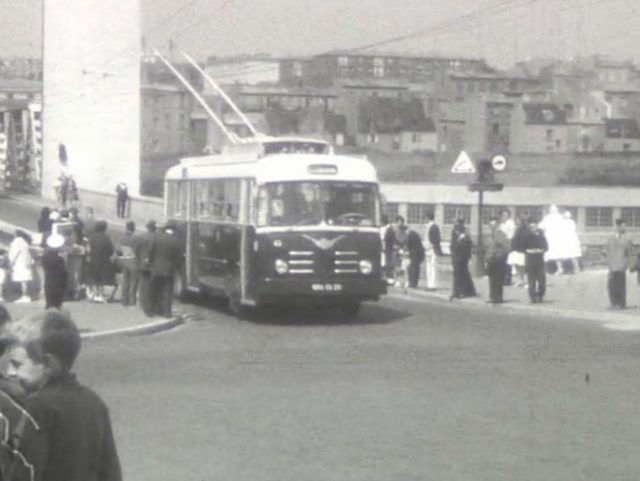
497 254
165 257
619 247
100 266
416 257
142 253
389 240
534 245
55 272
129 265
122 197
461 247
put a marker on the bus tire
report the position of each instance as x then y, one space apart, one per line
350 309
237 308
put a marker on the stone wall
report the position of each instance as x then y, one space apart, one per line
141 209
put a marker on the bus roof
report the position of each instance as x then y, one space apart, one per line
267 145
276 168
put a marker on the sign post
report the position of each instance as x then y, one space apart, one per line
485 170
485 183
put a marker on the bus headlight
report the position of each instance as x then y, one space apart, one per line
365 266
281 266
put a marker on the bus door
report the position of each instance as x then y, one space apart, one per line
217 254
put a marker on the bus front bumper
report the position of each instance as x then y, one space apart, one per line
309 290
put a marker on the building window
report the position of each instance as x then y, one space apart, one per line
572 210
528 212
417 213
453 212
631 215
558 144
378 67
489 211
343 61
390 209
416 138
549 134
495 128
372 138
599 217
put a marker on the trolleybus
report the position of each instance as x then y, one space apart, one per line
278 222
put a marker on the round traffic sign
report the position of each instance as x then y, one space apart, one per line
499 163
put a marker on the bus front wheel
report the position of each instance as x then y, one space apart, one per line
237 308
350 310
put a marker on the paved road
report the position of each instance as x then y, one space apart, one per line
412 391
19 213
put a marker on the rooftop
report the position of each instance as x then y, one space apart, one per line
391 115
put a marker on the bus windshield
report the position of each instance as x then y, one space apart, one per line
314 203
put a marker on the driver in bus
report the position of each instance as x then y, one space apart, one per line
308 209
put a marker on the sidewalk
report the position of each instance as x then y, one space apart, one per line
102 320
578 296
93 320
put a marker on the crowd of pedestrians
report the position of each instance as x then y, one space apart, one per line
519 252
79 261
53 427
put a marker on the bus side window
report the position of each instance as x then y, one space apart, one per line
177 199
263 206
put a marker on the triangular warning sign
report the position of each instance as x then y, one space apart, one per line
463 164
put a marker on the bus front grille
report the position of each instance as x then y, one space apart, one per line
301 262
345 262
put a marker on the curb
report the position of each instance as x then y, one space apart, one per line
606 318
139 330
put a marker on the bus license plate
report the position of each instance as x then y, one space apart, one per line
326 287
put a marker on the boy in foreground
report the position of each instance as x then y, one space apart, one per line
75 441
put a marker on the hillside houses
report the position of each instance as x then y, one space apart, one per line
443 105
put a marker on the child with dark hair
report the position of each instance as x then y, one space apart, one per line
75 441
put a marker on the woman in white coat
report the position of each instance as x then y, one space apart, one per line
21 263
553 227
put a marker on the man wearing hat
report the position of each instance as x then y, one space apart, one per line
55 272
142 251
165 257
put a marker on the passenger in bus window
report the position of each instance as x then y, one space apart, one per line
277 211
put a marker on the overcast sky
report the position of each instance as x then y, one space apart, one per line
502 31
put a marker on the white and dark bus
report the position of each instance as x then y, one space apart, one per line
279 222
